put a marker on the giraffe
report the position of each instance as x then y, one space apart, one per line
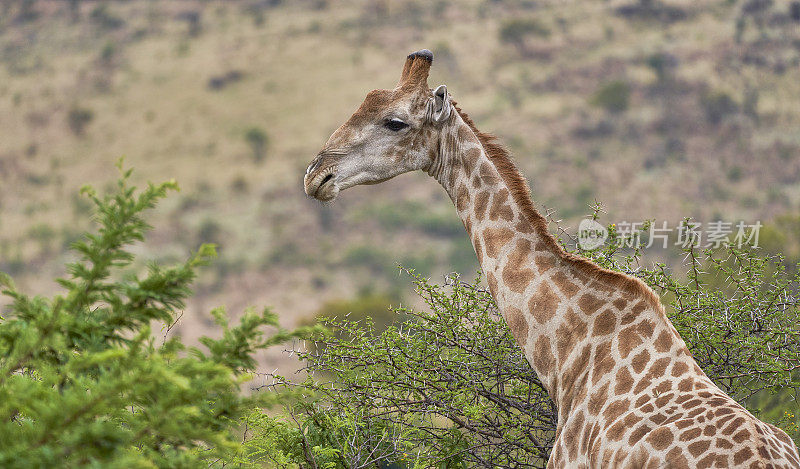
627 390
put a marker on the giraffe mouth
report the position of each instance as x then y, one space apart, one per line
322 186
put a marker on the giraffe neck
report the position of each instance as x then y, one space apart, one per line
556 308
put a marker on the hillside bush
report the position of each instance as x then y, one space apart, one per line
612 96
258 140
104 18
91 377
717 105
78 118
517 32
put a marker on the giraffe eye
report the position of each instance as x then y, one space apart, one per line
395 125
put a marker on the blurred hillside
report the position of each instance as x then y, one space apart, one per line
658 109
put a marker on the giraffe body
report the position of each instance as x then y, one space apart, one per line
627 390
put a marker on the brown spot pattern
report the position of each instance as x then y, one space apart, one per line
637 434
676 459
659 367
518 325
465 134
488 174
645 329
605 323
516 275
698 447
660 438
597 399
664 342
686 385
470 159
543 303
500 207
462 198
589 303
640 361
615 409
481 202
544 263
628 339
563 283
524 226
495 238
624 381
679 368
569 333
742 455
603 362
543 358
571 435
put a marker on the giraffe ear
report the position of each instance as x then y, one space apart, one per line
440 105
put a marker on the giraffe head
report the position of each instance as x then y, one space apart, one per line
391 133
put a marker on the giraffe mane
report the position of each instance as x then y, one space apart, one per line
521 193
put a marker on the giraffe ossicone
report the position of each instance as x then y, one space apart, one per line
628 392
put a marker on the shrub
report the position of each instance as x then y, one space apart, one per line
209 232
219 82
108 53
718 105
517 31
43 234
239 185
258 140
734 173
662 64
78 118
193 20
651 10
84 381
369 257
613 96
103 18
27 12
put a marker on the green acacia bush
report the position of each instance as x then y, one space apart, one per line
450 388
91 377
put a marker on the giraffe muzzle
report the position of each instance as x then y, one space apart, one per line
321 184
